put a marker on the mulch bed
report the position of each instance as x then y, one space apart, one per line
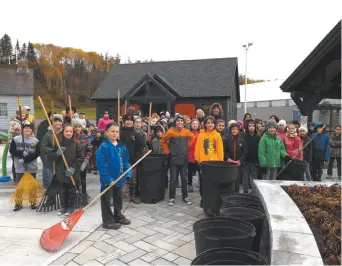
321 207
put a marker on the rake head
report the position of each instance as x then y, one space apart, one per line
53 238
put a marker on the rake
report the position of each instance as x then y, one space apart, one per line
53 237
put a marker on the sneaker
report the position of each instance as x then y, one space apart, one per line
95 172
329 177
124 221
187 201
69 211
171 202
62 211
135 200
113 226
17 208
190 188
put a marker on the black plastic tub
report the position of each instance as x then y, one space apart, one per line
220 171
242 200
294 171
228 256
152 174
216 232
251 215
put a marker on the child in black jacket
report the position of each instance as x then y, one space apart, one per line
235 149
303 134
251 164
96 142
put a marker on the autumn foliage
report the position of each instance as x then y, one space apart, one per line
321 207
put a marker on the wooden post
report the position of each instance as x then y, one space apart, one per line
149 122
125 106
69 101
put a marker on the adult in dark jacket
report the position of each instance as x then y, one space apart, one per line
44 127
235 149
307 152
251 164
335 152
135 143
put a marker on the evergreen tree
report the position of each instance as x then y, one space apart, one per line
31 54
5 48
16 50
23 52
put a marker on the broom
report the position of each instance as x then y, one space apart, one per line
53 237
302 149
28 190
51 199
78 194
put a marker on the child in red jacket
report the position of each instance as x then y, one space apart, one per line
192 166
292 142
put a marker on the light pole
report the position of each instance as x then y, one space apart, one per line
246 47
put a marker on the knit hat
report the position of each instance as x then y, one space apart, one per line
27 124
58 117
111 124
77 122
137 118
231 122
271 123
282 122
127 117
303 128
179 116
167 114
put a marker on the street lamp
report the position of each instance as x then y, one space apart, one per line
246 46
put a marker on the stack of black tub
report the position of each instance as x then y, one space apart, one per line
233 237
152 176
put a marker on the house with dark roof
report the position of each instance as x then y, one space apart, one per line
12 84
174 86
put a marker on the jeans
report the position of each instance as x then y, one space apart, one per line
108 217
249 172
47 172
317 170
270 174
331 163
68 195
175 171
307 174
192 168
83 177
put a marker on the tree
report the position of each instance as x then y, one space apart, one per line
17 50
31 54
129 60
5 48
23 52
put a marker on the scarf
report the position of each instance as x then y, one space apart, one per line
291 135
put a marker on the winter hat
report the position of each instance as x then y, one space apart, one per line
58 117
231 122
157 128
167 114
111 124
127 117
282 122
179 116
271 123
77 122
303 128
27 124
137 118
162 113
240 123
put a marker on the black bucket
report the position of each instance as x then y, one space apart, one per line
216 232
294 171
228 256
251 215
152 174
220 171
242 200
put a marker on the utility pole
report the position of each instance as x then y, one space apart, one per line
246 47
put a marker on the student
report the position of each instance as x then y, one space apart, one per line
307 152
176 142
221 128
260 127
320 153
25 158
251 165
292 142
81 138
281 129
192 167
74 157
96 142
235 150
271 150
135 144
335 152
112 160
159 132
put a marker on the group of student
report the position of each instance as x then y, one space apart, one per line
259 150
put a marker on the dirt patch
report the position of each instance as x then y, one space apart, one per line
321 207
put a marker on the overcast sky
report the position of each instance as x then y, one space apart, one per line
283 32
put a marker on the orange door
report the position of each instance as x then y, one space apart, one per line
185 109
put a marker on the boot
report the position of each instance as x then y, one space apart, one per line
133 198
113 226
17 207
124 221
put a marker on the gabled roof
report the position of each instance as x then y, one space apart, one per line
16 83
189 78
330 42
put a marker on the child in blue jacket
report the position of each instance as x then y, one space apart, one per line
112 160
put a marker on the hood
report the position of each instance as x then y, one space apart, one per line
158 127
234 125
318 124
311 124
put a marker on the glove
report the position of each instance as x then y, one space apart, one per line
84 165
21 160
70 172
60 151
230 160
238 162
25 153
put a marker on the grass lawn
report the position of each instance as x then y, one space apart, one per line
90 112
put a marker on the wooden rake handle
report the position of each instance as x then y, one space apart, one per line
55 137
117 180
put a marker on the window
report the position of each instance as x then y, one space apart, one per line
3 109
